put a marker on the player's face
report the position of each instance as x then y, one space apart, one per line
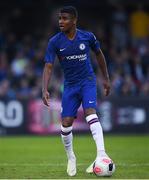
66 22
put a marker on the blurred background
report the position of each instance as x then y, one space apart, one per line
122 27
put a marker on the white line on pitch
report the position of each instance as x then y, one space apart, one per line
64 164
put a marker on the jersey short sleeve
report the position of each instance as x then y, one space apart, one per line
50 52
94 43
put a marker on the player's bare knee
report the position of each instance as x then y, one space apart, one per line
68 121
66 124
89 111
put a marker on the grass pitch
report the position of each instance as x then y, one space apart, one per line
44 157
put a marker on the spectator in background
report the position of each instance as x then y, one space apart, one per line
24 90
145 60
117 81
139 27
119 27
6 91
119 61
128 88
19 63
145 89
137 68
3 66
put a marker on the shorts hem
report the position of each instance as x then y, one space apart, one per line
72 116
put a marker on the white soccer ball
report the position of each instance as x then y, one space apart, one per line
103 167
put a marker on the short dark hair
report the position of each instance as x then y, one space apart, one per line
70 10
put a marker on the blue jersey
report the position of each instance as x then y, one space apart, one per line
74 55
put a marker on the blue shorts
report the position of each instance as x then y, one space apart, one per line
73 95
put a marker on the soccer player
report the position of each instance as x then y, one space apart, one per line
72 47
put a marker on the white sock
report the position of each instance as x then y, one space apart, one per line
67 139
97 134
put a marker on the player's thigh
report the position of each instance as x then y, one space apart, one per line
70 102
89 96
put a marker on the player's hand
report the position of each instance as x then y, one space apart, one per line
106 86
46 98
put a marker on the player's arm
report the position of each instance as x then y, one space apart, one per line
47 71
95 46
103 66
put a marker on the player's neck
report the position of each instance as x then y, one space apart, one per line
71 33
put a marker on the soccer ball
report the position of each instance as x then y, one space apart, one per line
103 167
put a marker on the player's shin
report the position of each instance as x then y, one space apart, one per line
97 133
67 139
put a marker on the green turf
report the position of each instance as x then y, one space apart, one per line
44 157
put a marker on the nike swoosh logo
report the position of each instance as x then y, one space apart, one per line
62 49
91 101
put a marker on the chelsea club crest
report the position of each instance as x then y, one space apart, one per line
82 46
